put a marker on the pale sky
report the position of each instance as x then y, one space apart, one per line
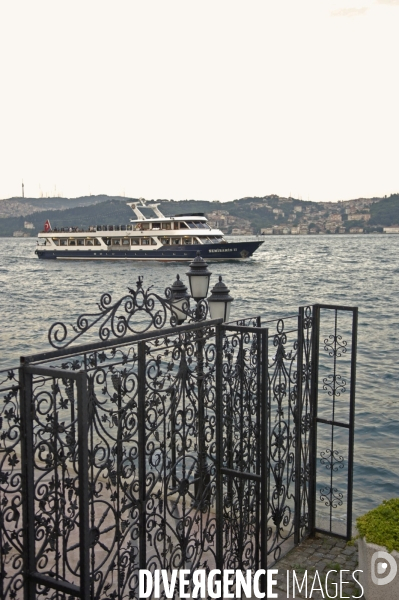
206 99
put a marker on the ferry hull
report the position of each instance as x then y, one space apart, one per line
231 250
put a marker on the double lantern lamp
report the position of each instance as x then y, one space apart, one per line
219 301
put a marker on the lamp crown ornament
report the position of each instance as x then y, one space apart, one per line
179 290
220 292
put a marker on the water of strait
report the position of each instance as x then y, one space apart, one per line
286 272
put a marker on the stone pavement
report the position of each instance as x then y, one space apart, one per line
322 554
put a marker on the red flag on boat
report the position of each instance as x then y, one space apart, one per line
47 226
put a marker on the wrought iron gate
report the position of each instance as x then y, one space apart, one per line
197 447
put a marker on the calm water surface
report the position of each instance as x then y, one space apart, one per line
285 273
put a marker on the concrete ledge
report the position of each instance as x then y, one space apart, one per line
380 577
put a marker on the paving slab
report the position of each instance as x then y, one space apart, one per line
311 561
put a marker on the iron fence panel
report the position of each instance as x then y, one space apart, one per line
243 451
11 499
335 344
198 446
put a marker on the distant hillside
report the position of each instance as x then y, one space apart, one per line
249 215
104 213
17 207
385 212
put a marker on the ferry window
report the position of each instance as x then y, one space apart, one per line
165 241
183 225
117 228
89 242
99 227
116 242
56 241
175 225
96 242
187 240
91 228
145 225
156 226
176 241
153 242
80 242
107 241
125 242
145 242
191 225
63 242
71 242
135 241
129 227
110 227
123 227
165 225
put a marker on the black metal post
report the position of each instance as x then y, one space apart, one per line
264 458
298 429
313 416
28 481
83 462
352 423
219 445
142 458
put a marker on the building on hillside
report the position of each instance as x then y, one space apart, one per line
392 229
238 231
359 217
28 225
356 230
267 231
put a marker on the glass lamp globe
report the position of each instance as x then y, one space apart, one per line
199 276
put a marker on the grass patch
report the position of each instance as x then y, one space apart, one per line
381 525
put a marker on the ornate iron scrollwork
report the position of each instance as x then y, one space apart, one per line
140 307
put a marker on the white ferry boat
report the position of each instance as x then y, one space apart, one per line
158 238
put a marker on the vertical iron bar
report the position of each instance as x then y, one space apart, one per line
141 439
240 483
264 499
83 463
313 416
202 473
298 430
352 423
219 446
258 441
28 481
